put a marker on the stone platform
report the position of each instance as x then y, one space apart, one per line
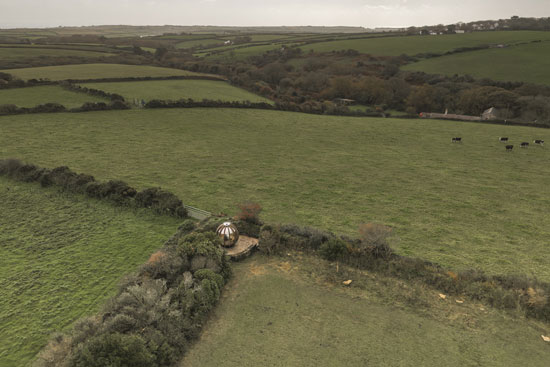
243 248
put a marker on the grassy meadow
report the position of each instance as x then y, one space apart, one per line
19 53
461 205
62 256
412 45
177 89
244 52
526 63
283 312
199 43
33 96
94 71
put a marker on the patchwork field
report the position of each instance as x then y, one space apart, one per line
62 257
461 205
33 96
412 45
94 71
197 43
177 89
527 63
28 52
244 52
276 313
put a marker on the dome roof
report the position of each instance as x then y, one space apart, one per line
228 233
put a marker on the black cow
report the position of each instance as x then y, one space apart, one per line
524 144
457 140
503 140
539 142
509 148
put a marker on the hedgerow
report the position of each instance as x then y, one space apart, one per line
119 192
156 312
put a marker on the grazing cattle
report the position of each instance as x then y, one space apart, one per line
503 140
539 142
457 140
509 148
524 144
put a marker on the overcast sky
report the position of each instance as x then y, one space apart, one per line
366 13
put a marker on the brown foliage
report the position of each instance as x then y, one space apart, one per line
156 257
249 212
373 234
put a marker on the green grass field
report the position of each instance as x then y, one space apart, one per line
33 96
177 89
201 42
28 52
244 52
276 313
412 45
62 257
461 205
527 63
94 71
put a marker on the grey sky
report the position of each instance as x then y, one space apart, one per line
367 13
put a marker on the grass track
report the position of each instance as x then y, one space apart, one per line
282 313
30 97
177 89
94 71
461 205
412 45
62 257
526 63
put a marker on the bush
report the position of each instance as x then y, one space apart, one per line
333 249
249 212
119 350
115 190
161 201
9 166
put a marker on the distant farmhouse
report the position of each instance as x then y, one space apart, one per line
488 115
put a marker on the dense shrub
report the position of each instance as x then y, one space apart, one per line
119 192
115 190
155 313
161 201
113 350
333 249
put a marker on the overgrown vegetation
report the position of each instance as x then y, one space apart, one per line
156 313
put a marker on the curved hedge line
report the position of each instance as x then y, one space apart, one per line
119 192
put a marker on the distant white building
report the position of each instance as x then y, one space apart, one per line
460 31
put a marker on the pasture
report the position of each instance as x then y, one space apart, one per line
286 312
20 53
62 257
33 96
526 63
469 205
178 89
95 71
199 43
244 52
413 45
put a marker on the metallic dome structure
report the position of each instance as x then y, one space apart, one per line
228 233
